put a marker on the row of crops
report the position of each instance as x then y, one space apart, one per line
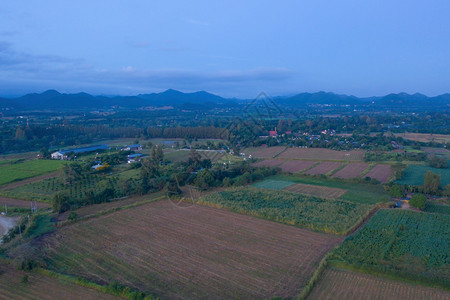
404 243
330 216
78 190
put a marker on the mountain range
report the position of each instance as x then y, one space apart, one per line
53 100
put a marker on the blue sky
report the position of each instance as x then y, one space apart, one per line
231 48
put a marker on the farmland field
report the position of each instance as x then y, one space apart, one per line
322 154
414 175
41 286
425 137
403 243
194 252
273 184
263 152
356 192
330 216
295 166
317 191
438 208
13 170
342 284
268 163
351 170
324 168
382 173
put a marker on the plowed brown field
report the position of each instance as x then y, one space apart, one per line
322 154
380 172
340 284
295 166
324 168
268 163
194 252
351 170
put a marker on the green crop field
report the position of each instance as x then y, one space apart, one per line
401 243
414 175
438 208
330 216
356 192
273 184
13 170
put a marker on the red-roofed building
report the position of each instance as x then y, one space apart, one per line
273 133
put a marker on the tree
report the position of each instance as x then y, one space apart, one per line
396 191
432 183
204 179
44 153
418 201
159 154
60 202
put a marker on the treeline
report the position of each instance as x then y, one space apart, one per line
35 137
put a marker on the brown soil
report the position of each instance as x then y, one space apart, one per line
380 172
323 168
190 252
343 284
295 166
351 170
20 203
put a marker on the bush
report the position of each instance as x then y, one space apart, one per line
72 216
418 201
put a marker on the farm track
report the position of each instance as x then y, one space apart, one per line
194 252
28 180
343 284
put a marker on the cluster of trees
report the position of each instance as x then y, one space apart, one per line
437 162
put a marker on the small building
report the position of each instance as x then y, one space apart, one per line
97 166
132 158
273 133
63 154
135 147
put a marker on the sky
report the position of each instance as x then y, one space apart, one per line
230 48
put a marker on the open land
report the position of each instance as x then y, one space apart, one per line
322 154
414 175
382 173
324 168
194 252
317 191
295 166
348 285
41 286
14 170
351 170
425 137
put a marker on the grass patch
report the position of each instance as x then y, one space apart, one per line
414 175
273 184
437 208
356 192
14 170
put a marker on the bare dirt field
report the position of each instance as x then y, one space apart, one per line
268 163
314 190
42 287
295 166
195 252
20 203
324 168
380 172
322 154
351 170
342 284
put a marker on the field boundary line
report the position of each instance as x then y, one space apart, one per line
332 172
367 170
108 211
279 153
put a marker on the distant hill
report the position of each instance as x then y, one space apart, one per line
53 100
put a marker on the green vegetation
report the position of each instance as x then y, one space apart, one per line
414 175
418 201
437 208
14 170
273 184
357 192
331 216
403 243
